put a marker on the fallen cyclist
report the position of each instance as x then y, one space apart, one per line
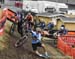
29 19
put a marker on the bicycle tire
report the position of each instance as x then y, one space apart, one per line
21 41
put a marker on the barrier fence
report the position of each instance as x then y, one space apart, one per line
2 23
67 45
71 33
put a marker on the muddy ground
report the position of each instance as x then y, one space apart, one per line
9 51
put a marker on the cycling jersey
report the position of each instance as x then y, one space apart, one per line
29 17
38 35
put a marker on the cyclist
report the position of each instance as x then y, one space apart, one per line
29 19
36 42
42 24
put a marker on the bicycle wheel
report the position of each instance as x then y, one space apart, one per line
21 41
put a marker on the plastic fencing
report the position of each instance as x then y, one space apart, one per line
2 23
71 33
67 45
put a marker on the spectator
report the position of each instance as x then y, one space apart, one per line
50 26
35 24
62 31
42 24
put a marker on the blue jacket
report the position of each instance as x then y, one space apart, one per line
64 31
38 35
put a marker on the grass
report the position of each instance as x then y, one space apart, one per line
3 40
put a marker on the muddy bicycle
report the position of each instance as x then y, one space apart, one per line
24 38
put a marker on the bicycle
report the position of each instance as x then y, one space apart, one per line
24 38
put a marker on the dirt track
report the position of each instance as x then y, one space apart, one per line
11 52
25 51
